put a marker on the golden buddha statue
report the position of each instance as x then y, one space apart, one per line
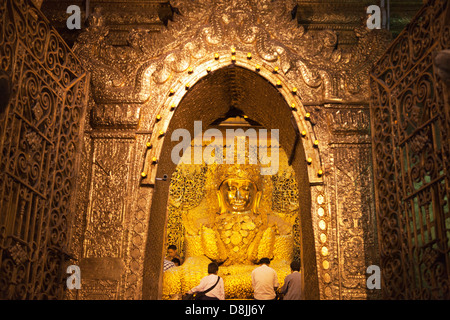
236 237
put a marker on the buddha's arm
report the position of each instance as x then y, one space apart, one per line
283 248
189 223
270 245
266 245
213 247
253 248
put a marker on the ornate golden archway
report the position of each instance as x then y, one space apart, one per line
206 101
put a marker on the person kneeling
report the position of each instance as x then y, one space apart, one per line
292 288
211 287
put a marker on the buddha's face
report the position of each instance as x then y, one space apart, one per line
238 195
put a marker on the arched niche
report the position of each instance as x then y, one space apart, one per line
210 98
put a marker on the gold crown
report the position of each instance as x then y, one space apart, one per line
250 172
242 166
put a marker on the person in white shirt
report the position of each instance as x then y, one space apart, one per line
218 292
264 281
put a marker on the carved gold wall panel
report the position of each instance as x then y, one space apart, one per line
107 250
105 221
410 122
343 208
40 132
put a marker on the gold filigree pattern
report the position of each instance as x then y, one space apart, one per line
412 152
266 28
39 147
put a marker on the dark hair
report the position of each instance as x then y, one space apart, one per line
176 260
295 265
264 261
172 246
213 268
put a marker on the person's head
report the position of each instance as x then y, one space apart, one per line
176 261
172 250
295 265
264 261
213 268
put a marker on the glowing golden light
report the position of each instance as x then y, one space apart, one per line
322 225
321 212
320 199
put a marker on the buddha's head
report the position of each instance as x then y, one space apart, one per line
238 195
239 190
